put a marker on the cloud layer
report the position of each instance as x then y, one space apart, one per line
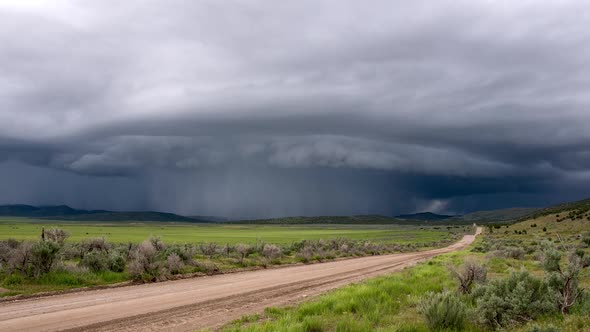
388 107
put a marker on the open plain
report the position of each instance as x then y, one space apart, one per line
187 305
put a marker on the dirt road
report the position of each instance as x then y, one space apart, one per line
190 304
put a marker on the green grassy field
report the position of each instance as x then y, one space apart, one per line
27 229
194 242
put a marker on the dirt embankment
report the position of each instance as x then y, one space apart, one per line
208 302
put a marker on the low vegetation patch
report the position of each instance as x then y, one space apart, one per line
54 262
508 281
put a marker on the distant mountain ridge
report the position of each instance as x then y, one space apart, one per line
64 212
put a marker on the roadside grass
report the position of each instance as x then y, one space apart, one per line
382 304
53 281
30 229
390 303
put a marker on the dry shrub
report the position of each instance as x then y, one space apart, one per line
208 249
99 244
145 264
20 258
305 254
157 243
56 235
371 248
344 248
468 275
271 252
174 263
243 251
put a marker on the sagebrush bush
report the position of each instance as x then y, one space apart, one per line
563 281
208 267
56 235
95 261
5 254
99 244
174 263
243 251
44 255
518 298
443 311
20 258
157 243
371 248
117 263
305 254
271 252
146 264
208 249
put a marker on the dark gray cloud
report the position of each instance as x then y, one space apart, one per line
258 108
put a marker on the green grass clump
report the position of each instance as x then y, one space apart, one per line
444 311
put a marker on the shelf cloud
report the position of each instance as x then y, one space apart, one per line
265 108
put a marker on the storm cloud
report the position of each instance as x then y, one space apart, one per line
266 108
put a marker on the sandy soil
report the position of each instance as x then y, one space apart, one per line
192 304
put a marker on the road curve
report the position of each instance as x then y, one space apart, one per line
191 304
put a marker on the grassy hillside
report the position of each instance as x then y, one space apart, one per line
500 215
579 209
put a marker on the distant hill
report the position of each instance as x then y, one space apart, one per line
500 215
581 206
64 212
360 220
425 216
209 218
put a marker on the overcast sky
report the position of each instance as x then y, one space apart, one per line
272 108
